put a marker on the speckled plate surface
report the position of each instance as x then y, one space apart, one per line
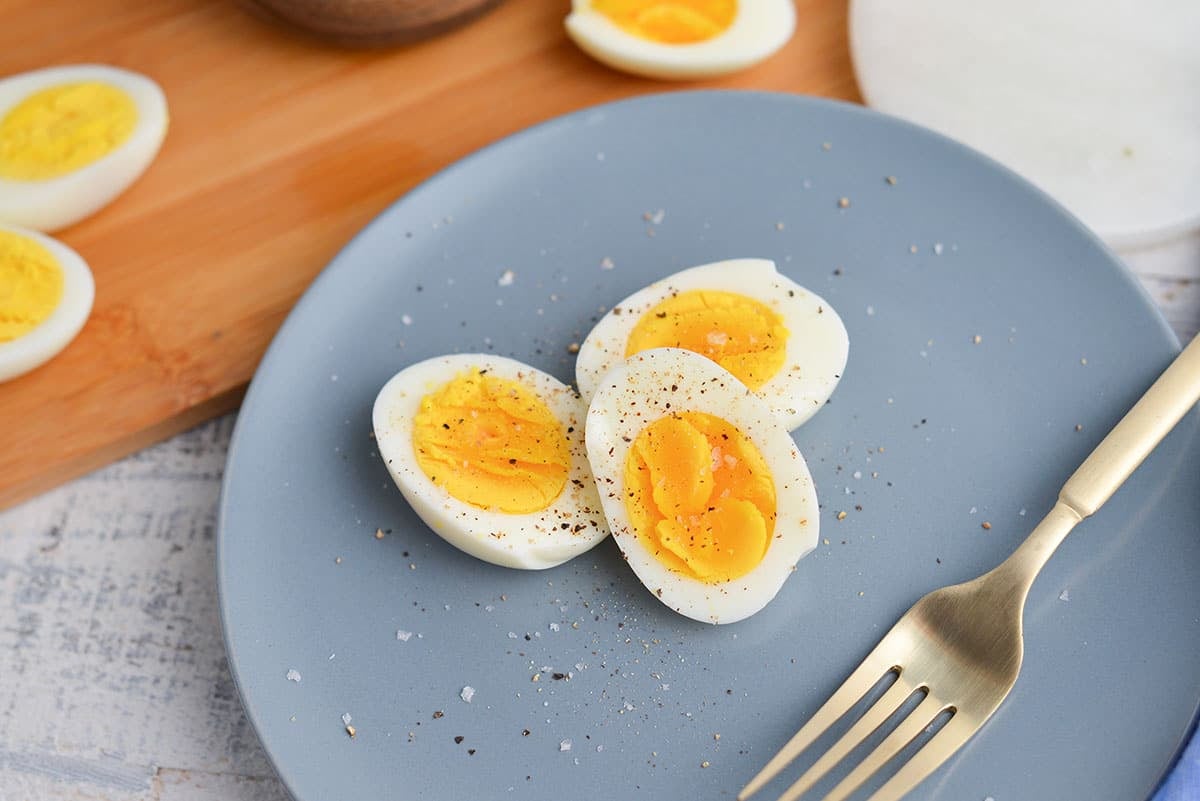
985 327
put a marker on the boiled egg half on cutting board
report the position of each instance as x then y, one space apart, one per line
46 293
72 138
681 39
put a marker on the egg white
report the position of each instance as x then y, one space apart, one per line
758 30
35 348
817 346
54 203
531 541
662 381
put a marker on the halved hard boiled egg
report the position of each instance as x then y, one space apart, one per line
46 293
72 139
705 492
784 342
490 453
681 39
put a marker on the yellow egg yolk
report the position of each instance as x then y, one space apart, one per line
31 285
741 334
670 21
700 496
493 443
63 128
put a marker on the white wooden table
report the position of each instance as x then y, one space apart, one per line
113 681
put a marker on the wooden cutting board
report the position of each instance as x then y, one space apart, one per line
280 148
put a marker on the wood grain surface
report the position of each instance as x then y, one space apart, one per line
280 149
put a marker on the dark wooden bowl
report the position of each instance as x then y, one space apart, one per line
370 23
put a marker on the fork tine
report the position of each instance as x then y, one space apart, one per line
951 737
871 720
925 713
855 687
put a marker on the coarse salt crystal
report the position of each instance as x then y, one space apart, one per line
506 278
938 248
293 675
606 263
554 627
489 608
1065 595
858 474
406 319
512 635
403 636
564 745
467 693
346 719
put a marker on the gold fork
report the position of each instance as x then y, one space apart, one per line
961 646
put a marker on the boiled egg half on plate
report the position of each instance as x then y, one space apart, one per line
784 342
72 138
681 39
46 293
490 453
704 490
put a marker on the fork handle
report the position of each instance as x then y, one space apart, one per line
1140 430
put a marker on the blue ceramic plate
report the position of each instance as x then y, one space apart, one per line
986 327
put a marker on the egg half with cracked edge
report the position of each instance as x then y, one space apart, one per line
73 138
46 293
489 452
783 341
705 492
681 39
